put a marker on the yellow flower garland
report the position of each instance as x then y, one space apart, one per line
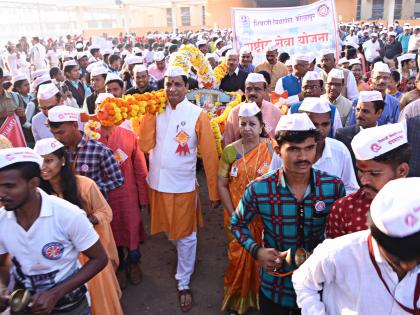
214 123
190 55
113 111
220 71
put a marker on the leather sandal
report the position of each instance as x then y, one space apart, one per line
182 295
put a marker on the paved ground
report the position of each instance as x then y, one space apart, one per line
157 294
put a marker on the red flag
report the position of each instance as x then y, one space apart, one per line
12 130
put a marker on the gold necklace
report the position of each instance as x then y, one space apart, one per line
244 161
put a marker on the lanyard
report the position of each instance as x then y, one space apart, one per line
415 310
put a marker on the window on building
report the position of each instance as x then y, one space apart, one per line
358 9
168 16
92 24
397 9
107 24
417 9
378 9
203 17
185 16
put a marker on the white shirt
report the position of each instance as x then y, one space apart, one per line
39 129
352 89
12 63
53 58
39 54
413 43
50 249
371 50
335 160
352 38
342 268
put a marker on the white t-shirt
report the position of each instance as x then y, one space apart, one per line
53 58
343 270
371 50
48 252
12 63
335 160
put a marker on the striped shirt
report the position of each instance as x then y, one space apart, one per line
96 161
270 197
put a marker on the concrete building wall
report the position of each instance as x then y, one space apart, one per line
219 13
407 9
366 10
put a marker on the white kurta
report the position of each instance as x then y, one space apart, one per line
169 171
39 55
342 268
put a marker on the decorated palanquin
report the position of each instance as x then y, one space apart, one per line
217 104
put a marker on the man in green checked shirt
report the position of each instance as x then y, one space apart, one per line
293 203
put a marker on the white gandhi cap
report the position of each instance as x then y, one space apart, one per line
98 70
47 146
17 155
132 60
311 76
19 77
315 105
336 74
295 122
94 65
395 210
255 78
381 67
159 56
370 96
47 91
174 71
42 79
38 73
355 61
63 113
139 68
244 51
248 109
69 63
373 142
112 77
102 97
404 57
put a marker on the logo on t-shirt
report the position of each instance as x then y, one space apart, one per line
53 250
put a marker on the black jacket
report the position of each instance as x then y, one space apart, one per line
232 83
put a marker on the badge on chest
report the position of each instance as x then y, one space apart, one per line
120 156
182 138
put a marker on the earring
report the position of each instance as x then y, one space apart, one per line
63 164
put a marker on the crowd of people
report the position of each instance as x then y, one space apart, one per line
318 175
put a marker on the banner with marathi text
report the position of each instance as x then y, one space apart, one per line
303 29
12 130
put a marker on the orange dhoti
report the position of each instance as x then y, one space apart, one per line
176 214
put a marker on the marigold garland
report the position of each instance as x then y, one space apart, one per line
92 128
113 111
190 55
215 122
220 71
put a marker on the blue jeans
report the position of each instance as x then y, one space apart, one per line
133 257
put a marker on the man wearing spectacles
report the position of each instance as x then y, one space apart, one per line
48 97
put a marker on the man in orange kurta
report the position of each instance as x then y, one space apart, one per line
172 139
255 89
